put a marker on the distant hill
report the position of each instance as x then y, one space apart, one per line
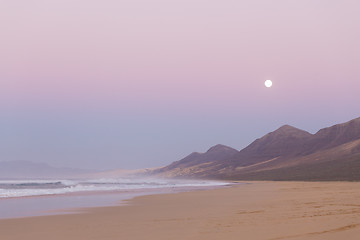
119 173
196 164
287 153
26 170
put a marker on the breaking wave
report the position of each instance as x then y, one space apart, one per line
22 188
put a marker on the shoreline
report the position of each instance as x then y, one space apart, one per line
74 202
257 211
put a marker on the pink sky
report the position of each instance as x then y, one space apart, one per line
175 62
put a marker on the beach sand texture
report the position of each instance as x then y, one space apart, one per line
256 211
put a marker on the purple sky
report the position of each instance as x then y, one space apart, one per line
138 83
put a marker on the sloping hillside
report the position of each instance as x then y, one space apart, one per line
287 153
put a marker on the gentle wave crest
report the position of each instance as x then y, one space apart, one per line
22 188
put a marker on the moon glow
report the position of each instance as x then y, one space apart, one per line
268 83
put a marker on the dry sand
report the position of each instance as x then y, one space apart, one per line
261 210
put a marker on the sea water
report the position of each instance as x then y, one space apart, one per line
38 197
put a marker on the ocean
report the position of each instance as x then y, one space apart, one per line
38 197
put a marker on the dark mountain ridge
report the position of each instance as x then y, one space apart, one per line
336 135
287 153
216 153
285 141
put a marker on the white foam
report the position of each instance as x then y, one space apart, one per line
104 184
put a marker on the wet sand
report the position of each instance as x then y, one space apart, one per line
260 210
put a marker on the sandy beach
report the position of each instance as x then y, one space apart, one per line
256 211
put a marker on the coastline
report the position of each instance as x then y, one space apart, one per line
261 210
75 202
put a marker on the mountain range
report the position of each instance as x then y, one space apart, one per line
30 170
288 153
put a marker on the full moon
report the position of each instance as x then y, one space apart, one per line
268 83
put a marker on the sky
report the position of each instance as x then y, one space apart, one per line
138 83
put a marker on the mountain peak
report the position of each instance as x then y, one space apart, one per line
285 140
288 131
289 128
286 127
220 147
